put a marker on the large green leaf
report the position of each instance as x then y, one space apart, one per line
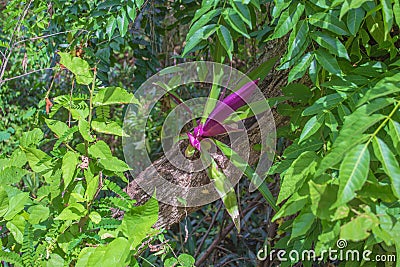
300 67
297 174
138 222
3 201
331 43
394 132
234 21
312 126
226 40
387 12
354 19
69 165
353 173
38 160
325 103
288 20
111 127
113 95
16 204
363 223
329 22
327 61
74 212
77 66
203 20
389 163
243 11
297 39
302 223
122 23
386 86
200 35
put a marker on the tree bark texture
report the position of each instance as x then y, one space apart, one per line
169 215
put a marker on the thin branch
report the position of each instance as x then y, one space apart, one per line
47 35
25 74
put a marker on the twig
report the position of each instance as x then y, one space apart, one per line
25 74
208 230
225 232
46 36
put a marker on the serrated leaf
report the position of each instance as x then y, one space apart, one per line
353 173
389 163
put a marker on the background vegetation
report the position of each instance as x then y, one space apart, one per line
336 170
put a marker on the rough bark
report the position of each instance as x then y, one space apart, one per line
170 215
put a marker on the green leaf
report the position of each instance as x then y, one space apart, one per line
226 40
363 223
84 129
331 43
3 201
102 152
79 67
243 12
112 96
186 260
111 26
288 20
116 253
234 21
200 35
16 204
38 160
297 40
329 22
122 23
111 127
302 223
16 227
325 103
295 149
386 86
242 165
396 11
226 192
57 127
312 126
31 137
69 164
394 132
322 197
137 223
38 214
294 204
327 61
131 12
389 163
353 173
301 67
73 212
354 20
387 16
204 20
95 217
263 69
297 174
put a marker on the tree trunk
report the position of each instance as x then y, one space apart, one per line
169 215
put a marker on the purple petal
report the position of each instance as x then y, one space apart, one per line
225 108
194 141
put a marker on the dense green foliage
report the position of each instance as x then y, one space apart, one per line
59 135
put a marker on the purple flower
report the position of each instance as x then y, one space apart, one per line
222 110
